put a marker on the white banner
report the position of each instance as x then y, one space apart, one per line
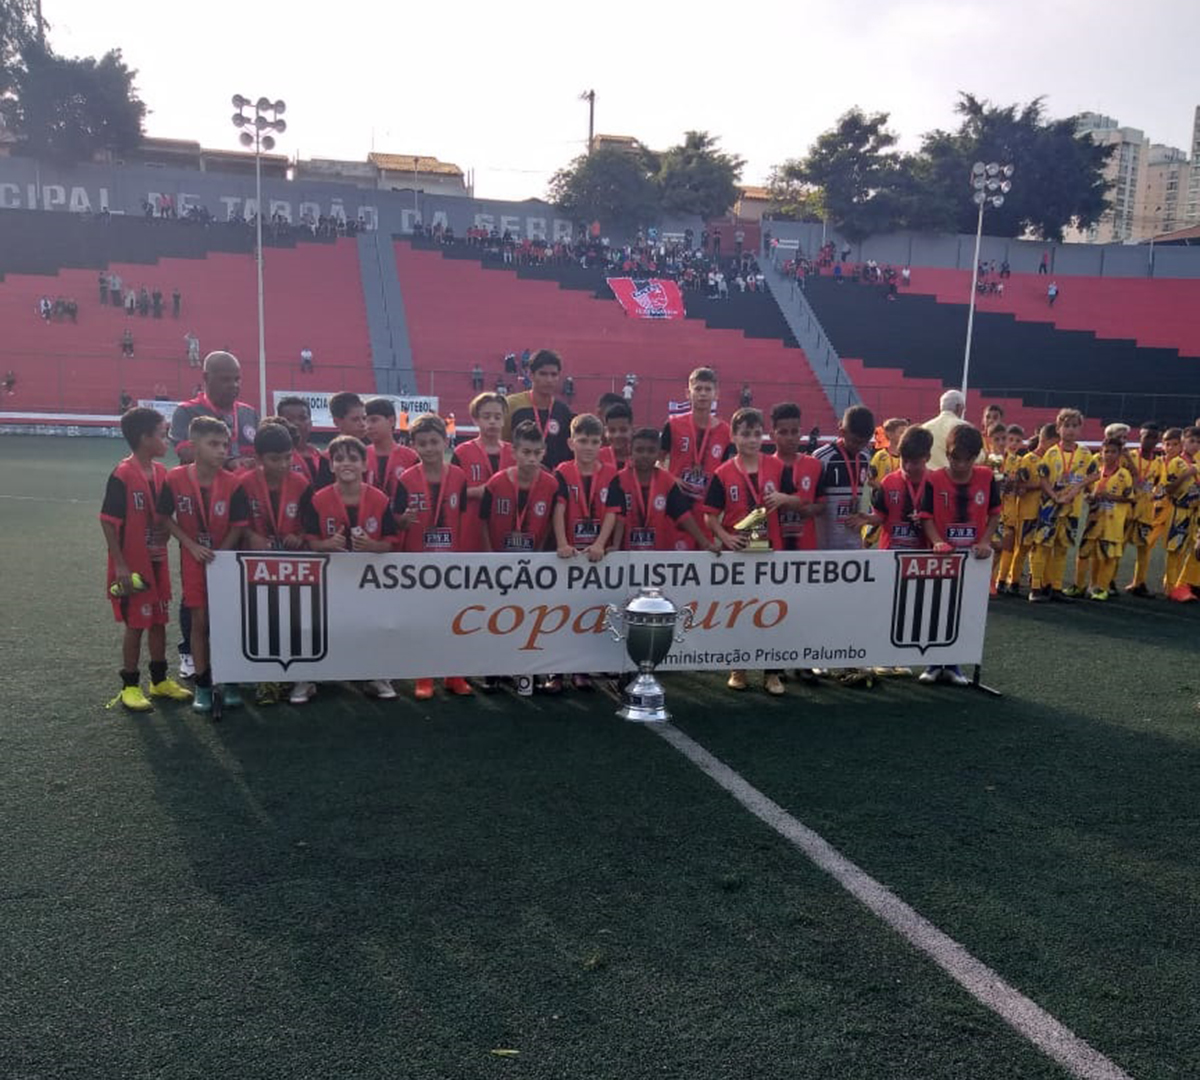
318 404
277 616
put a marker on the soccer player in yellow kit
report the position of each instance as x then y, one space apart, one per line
1182 494
1066 470
1010 499
1148 471
1109 503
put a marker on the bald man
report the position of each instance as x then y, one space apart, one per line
222 383
952 406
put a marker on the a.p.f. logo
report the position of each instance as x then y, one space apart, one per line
285 616
927 602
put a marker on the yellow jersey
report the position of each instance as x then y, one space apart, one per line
1106 516
1028 472
1064 468
1149 475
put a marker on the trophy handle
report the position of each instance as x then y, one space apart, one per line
612 616
684 623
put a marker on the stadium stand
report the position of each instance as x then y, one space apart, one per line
1153 312
314 299
461 312
1034 366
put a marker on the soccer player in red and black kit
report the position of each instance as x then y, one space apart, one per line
386 458
306 459
205 509
898 501
796 524
746 482
658 515
961 510
694 444
428 505
481 459
590 502
541 406
135 539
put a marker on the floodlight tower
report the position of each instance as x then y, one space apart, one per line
990 183
267 117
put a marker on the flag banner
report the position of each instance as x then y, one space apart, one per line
648 298
278 615
678 408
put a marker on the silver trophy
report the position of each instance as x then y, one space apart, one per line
652 625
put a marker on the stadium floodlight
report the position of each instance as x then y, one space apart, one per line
256 133
990 182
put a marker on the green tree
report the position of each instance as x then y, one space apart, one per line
614 187
696 177
66 109
858 174
18 30
791 198
1059 180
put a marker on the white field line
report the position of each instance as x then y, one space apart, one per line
980 981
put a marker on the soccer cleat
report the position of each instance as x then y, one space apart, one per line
933 674
993 590
1039 596
424 690
864 677
551 684
773 684
954 676
302 693
231 695
381 688
902 672
202 702
459 686
737 680
171 690
1140 589
1098 594
187 666
267 693
132 698
492 684
1181 594
581 682
1072 592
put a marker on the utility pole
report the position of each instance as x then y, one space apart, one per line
41 28
590 97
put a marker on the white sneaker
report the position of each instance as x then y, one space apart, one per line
301 693
187 666
955 676
930 675
381 688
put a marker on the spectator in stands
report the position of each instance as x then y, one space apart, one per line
747 396
103 288
125 403
45 308
510 363
130 301
193 348
156 301
1044 265
477 378
1052 293
845 252
952 406
127 342
160 392
176 302
906 276
114 290
1005 269
306 361
10 383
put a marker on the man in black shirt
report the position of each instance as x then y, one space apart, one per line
541 405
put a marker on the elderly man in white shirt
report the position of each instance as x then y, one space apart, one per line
953 405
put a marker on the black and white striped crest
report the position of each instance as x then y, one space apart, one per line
927 603
284 608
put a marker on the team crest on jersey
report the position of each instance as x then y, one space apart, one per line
552 427
660 502
372 525
539 508
248 432
285 617
980 498
927 600
805 483
219 507
717 451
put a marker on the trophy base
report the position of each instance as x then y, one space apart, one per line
644 701
757 545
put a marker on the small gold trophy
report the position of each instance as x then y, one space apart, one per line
754 527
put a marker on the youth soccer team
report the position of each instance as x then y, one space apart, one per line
622 488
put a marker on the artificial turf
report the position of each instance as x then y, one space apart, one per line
369 889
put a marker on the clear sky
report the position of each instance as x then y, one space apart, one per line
495 87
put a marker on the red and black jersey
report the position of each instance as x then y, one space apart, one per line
800 533
960 512
324 514
608 456
480 466
439 507
307 463
384 473
518 519
588 500
131 505
734 492
205 513
693 453
274 514
651 512
901 502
